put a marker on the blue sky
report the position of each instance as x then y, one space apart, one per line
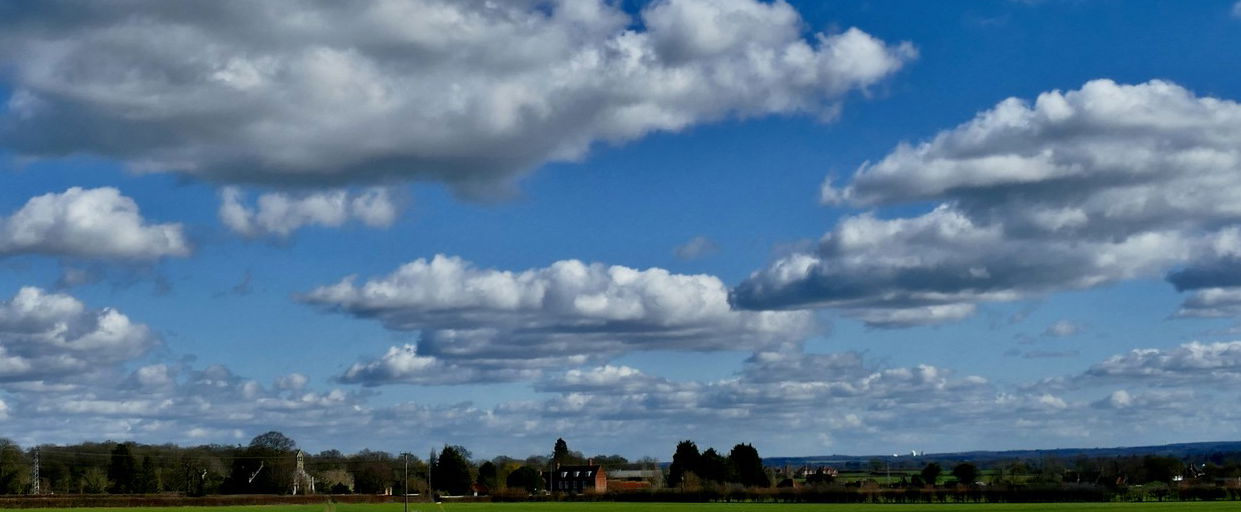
849 227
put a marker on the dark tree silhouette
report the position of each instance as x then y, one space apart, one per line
747 466
148 483
122 471
713 467
684 461
560 453
1161 469
930 474
524 477
965 473
450 472
487 475
275 441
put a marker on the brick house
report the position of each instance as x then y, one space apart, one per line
578 479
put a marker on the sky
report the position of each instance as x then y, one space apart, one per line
818 227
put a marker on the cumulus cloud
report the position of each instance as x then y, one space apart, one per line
566 314
88 223
696 248
843 396
468 93
1145 403
771 387
1212 303
404 365
607 379
1191 361
51 336
863 397
180 403
279 214
1077 189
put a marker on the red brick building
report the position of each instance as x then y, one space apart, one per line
578 479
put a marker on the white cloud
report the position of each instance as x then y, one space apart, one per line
696 248
1081 188
1197 361
88 223
1212 303
292 382
607 379
469 93
1062 329
565 314
403 365
842 395
1236 10
1141 404
50 336
280 214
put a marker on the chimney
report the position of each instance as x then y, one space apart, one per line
590 461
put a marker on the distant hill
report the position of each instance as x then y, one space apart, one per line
1179 450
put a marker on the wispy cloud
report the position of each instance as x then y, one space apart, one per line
696 248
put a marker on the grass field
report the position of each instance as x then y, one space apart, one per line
1218 506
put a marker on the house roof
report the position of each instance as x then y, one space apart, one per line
578 472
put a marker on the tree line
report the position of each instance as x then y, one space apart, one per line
742 466
267 465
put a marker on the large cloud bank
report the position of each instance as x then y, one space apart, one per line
468 92
1077 189
567 313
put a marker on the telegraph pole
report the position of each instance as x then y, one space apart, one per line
407 482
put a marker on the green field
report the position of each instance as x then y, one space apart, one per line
1219 506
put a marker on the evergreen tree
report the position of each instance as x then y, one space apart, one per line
684 461
560 454
747 466
123 471
712 467
451 472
